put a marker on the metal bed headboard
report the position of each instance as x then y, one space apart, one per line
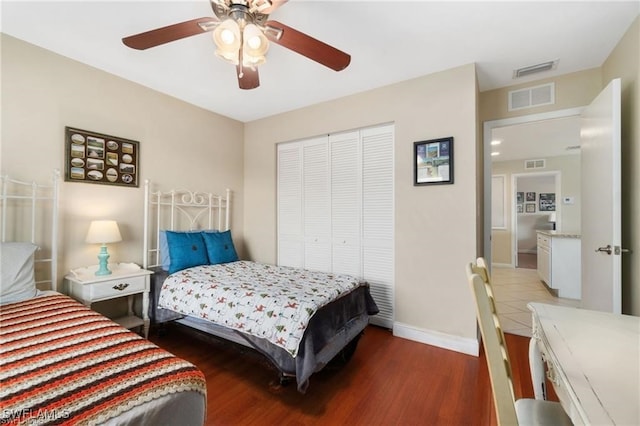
180 210
29 212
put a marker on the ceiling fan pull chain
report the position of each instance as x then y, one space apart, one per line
240 51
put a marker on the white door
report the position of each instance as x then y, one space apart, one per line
600 208
346 204
316 204
290 224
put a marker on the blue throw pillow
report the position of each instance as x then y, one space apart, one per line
165 258
220 247
186 249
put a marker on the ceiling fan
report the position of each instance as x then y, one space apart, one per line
241 32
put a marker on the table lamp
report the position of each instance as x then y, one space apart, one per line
103 232
552 220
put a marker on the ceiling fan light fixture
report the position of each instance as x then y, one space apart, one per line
242 32
253 61
255 42
226 36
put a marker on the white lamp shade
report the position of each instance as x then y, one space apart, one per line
226 36
103 232
255 46
552 217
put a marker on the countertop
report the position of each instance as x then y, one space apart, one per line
558 234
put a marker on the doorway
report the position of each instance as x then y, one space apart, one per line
517 286
530 189
573 198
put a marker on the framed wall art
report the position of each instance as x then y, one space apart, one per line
530 207
547 202
433 161
98 158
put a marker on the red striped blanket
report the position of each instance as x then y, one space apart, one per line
62 363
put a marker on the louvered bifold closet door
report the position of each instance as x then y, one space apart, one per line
345 203
377 219
290 219
335 208
317 207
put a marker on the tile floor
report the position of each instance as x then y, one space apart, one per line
514 288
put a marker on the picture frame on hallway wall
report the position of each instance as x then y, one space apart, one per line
93 157
433 162
530 207
547 202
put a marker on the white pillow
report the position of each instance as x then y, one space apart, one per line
18 281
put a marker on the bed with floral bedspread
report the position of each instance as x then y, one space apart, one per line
299 319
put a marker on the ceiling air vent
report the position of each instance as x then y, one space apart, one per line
534 69
532 96
534 164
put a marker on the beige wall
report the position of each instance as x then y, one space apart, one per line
435 226
623 62
181 146
576 89
569 168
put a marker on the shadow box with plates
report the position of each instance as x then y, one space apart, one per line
98 158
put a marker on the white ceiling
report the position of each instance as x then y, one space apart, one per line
389 41
538 139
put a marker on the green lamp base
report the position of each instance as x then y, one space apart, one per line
103 257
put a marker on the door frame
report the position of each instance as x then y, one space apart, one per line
488 127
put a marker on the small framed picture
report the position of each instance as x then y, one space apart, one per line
520 208
531 196
530 207
433 161
520 197
547 202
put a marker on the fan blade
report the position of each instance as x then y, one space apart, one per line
247 77
307 46
170 33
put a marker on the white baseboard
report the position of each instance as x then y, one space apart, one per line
436 338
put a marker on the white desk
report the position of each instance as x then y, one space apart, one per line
593 361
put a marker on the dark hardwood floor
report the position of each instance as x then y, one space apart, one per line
389 381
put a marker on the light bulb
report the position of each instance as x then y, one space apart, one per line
254 42
227 36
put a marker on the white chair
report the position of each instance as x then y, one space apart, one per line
508 410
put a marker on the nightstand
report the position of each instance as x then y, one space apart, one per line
126 280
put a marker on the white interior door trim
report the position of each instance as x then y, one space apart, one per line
488 127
